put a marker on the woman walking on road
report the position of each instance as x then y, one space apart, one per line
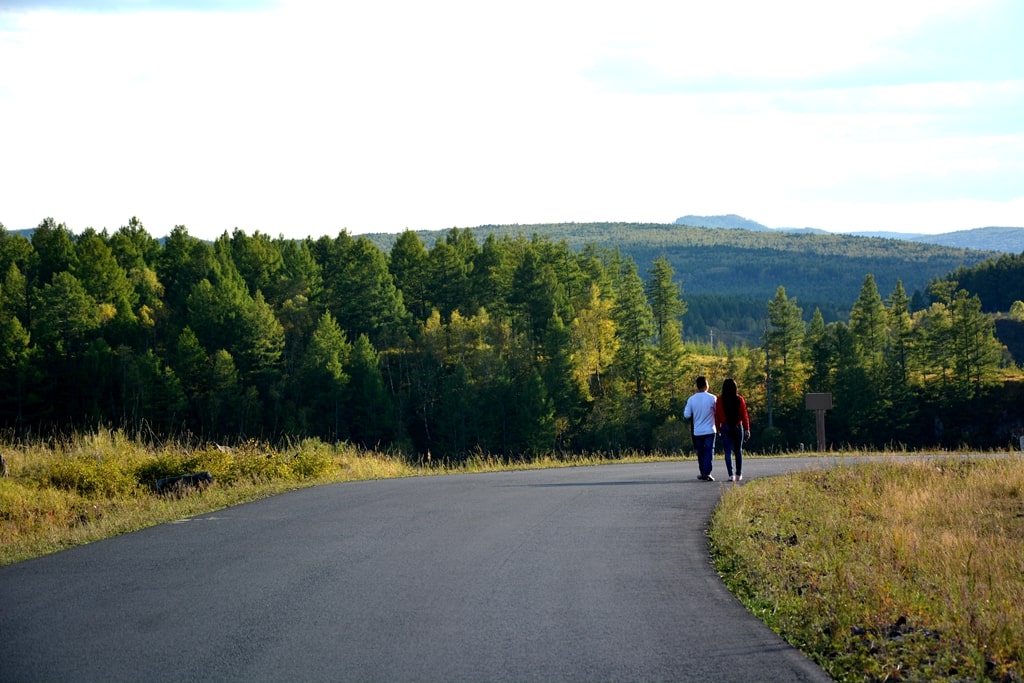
733 424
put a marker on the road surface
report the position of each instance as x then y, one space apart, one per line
579 574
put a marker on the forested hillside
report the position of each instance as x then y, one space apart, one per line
998 282
996 239
510 345
729 274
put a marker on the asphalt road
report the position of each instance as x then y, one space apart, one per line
581 574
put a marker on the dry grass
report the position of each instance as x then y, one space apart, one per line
94 486
99 485
887 571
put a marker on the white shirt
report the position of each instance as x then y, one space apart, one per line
701 408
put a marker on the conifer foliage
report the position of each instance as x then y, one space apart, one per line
519 347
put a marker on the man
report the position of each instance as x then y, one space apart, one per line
700 408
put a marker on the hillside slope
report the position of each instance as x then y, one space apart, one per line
1005 239
817 268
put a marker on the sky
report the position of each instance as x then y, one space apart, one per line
305 118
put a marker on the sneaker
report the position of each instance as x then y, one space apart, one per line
709 478
739 477
701 477
732 478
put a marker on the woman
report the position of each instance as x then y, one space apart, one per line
733 424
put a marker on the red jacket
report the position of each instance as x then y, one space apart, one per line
721 422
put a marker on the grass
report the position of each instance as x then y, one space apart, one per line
94 486
909 571
894 570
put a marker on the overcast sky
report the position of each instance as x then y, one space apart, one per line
304 118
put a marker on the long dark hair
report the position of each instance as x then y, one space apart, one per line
731 401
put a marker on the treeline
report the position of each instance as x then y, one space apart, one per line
511 347
999 282
735 270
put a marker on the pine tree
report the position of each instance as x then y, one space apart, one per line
665 296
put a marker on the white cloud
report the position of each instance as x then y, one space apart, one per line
313 117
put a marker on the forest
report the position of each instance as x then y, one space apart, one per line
730 273
514 346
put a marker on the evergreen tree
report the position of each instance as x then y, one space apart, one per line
360 291
67 317
324 376
536 295
370 415
222 405
260 263
976 351
818 351
53 251
99 272
192 368
668 386
868 326
900 331
665 296
448 280
408 264
559 383
783 345
133 247
259 344
633 320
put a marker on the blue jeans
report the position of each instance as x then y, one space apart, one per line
705 447
732 442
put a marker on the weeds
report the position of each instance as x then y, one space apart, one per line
98 485
888 571
87 487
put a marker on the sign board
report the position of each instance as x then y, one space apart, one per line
818 401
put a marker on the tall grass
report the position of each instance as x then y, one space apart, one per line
888 571
92 486
97 485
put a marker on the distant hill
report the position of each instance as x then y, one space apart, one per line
1007 240
1004 239
729 221
729 275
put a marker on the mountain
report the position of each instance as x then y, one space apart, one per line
1005 239
733 222
729 221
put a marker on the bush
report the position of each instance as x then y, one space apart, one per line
167 464
313 459
91 476
19 502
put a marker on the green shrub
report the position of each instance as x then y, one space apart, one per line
91 476
312 460
167 464
19 502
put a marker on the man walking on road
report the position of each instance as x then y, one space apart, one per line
701 409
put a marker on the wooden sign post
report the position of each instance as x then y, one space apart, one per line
819 403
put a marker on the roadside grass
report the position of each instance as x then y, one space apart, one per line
895 570
88 487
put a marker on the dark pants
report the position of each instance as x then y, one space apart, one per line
732 443
705 447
